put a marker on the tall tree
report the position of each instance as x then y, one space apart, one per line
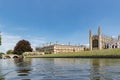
22 46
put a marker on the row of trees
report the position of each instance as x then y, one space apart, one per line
21 47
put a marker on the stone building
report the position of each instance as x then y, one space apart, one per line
58 48
101 41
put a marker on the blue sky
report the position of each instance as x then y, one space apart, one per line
44 21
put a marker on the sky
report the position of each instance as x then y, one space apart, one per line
64 21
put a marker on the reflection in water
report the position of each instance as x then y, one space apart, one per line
105 69
23 67
18 60
1 74
95 70
2 78
13 69
59 69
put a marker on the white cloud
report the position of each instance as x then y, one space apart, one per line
9 41
87 45
113 36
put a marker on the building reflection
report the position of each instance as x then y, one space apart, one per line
69 61
101 68
95 70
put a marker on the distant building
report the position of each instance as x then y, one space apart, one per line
102 42
58 48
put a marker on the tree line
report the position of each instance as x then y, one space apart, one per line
21 47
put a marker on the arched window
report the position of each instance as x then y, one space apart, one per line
95 43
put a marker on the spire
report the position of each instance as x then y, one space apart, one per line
56 42
99 30
90 32
69 43
118 37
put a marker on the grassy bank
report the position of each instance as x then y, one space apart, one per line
106 53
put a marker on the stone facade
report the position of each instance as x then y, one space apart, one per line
4 56
33 53
57 48
102 42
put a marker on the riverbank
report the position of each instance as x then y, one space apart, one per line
106 53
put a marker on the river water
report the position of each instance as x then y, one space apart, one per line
60 69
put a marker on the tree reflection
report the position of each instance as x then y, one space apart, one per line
2 78
1 70
23 67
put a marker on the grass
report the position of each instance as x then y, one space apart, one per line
105 53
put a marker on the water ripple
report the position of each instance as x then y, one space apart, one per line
60 69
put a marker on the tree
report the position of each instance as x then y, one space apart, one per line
22 46
9 52
1 54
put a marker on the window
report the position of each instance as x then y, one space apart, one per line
95 43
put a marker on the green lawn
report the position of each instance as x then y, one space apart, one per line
106 53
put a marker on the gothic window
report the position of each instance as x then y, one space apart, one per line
95 43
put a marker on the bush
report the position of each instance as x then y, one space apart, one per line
48 52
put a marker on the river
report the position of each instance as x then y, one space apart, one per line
59 69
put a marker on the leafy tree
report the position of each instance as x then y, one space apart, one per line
9 52
1 54
22 46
